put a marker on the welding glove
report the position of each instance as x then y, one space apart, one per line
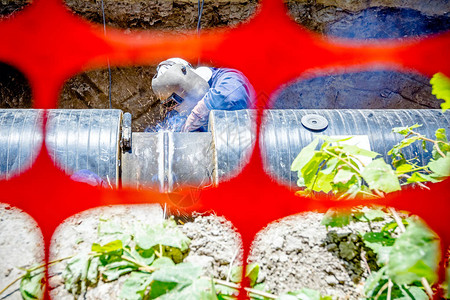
197 118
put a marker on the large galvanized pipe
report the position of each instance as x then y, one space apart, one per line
286 132
89 139
76 139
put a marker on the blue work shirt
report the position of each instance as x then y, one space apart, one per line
229 90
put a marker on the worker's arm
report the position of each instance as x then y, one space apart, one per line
230 90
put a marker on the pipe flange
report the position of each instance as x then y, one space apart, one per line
126 131
314 122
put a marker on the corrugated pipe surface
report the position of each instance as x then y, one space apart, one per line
76 139
286 132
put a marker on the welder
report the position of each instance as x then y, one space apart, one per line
191 93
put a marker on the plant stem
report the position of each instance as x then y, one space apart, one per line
436 143
343 160
427 287
9 285
389 289
249 290
418 183
141 266
366 264
362 164
397 219
412 170
231 263
385 286
34 269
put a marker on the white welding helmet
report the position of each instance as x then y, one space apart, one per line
179 86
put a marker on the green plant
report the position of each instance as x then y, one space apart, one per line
408 261
337 167
441 89
152 259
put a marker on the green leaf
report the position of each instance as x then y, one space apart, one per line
421 177
344 176
135 286
199 289
166 234
304 156
415 254
441 89
173 277
379 237
357 151
323 182
404 168
441 135
81 272
413 293
441 166
405 130
374 214
331 166
32 285
145 257
114 270
333 218
251 273
381 243
379 175
391 226
163 262
109 247
113 231
311 168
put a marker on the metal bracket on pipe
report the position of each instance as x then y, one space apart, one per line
126 131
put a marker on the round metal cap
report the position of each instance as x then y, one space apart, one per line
314 122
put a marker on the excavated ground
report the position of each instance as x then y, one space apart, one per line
293 253
131 87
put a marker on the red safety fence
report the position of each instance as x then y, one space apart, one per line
49 45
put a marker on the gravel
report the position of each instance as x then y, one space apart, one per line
293 253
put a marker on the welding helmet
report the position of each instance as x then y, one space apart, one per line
179 86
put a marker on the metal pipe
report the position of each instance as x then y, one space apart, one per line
286 132
76 139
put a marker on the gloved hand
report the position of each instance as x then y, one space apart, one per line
197 118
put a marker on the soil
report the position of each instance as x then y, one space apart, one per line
293 253
77 234
21 246
130 91
131 87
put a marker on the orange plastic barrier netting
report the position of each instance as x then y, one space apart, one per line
49 45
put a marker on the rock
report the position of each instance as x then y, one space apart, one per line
331 247
277 243
331 280
348 250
